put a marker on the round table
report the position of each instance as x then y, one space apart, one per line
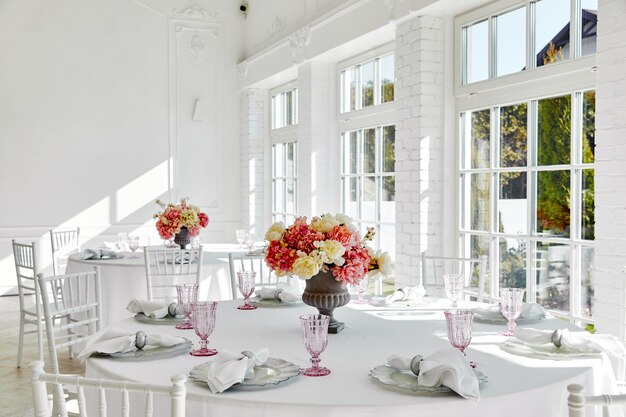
516 386
125 278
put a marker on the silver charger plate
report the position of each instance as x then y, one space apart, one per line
149 353
262 302
547 351
407 380
273 371
169 320
106 257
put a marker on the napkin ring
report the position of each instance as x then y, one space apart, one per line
171 309
556 337
277 295
415 364
140 340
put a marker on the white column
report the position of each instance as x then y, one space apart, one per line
419 90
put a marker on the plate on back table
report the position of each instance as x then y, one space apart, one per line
167 320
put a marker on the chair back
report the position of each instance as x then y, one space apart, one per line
26 269
576 401
177 393
63 243
165 268
473 269
239 262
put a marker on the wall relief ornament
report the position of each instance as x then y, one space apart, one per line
297 42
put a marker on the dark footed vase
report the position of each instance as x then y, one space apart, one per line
182 238
326 294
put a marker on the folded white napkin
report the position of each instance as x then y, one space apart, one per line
120 341
530 311
446 367
154 309
582 341
415 293
96 254
282 292
230 368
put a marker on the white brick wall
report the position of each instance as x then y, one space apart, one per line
252 136
419 60
610 173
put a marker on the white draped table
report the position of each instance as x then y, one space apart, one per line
517 386
125 278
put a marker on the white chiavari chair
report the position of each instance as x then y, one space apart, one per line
165 268
434 267
63 243
177 392
238 262
577 401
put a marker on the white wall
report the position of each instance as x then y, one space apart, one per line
96 116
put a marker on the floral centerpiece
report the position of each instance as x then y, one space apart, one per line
176 218
328 244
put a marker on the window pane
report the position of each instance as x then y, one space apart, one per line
279 158
288 108
279 196
588 205
586 271
480 138
477 47
387 200
389 152
348 90
275 110
589 127
350 197
369 151
480 246
512 263
551 31
387 239
552 272
368 209
589 26
480 202
290 200
512 207
513 135
511 42
554 130
367 84
386 78
291 159
553 203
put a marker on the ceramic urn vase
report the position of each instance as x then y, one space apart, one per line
326 294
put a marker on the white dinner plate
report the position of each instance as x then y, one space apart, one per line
407 380
273 371
167 320
547 351
262 302
149 353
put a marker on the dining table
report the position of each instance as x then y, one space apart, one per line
515 385
124 277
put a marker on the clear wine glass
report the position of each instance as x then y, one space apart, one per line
245 282
249 241
454 287
315 335
203 320
133 245
360 288
459 328
187 294
511 302
122 241
241 236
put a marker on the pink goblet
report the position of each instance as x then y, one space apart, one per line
246 288
459 328
187 294
203 319
315 335
360 288
454 287
511 302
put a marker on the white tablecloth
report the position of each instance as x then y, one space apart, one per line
123 279
517 386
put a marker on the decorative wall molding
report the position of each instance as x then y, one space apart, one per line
277 26
298 41
242 68
196 12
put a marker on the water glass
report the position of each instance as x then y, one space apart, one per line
241 236
122 241
315 335
454 287
459 328
133 245
187 294
360 288
511 301
249 241
245 282
203 320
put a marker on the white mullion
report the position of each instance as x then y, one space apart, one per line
492 42
358 93
531 10
464 60
377 85
531 271
575 33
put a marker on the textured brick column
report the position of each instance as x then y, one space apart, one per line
610 173
419 90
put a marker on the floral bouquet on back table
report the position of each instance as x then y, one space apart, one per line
174 217
328 243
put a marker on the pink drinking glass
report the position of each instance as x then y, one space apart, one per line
454 287
511 301
203 319
315 335
246 288
459 328
360 288
187 294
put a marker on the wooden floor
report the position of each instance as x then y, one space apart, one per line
15 394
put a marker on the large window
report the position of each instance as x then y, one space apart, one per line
367 84
284 119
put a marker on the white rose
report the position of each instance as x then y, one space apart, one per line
305 267
324 224
275 232
343 219
333 252
384 264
